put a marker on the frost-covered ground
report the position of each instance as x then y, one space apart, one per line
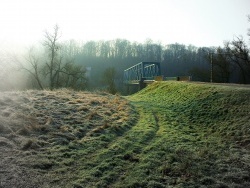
34 122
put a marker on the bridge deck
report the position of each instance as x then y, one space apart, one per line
136 82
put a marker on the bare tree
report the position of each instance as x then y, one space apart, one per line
62 72
222 66
239 54
71 75
57 68
34 69
53 64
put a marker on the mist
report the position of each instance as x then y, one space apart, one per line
11 77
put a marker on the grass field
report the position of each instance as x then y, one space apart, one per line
171 134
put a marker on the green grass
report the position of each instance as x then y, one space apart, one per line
177 134
198 130
187 135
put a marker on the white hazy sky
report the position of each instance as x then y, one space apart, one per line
197 22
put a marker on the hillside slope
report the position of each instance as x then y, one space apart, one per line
201 133
171 134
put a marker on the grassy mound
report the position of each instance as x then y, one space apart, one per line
171 134
200 134
218 109
45 135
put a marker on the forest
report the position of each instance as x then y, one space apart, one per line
99 65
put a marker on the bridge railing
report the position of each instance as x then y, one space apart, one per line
142 70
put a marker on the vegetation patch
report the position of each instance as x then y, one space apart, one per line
53 132
171 134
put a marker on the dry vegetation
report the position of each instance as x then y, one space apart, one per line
33 124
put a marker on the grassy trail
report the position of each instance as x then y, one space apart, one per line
186 135
170 134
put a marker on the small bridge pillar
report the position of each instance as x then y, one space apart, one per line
142 84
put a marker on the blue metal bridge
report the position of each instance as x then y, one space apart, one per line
142 72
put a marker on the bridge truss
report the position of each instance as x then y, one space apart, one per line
142 71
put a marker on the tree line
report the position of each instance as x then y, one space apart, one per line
100 64
230 63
